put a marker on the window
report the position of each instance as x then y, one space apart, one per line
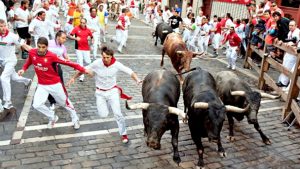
290 3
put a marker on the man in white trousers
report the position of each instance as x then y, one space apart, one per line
107 92
234 43
120 37
8 61
81 34
94 25
49 82
289 60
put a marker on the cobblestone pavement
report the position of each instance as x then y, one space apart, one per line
97 143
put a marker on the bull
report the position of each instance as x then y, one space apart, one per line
205 110
180 56
160 91
161 31
234 91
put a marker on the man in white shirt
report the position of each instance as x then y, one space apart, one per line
2 11
107 92
22 18
94 25
8 61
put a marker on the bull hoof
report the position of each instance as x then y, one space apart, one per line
223 154
230 138
267 142
200 167
177 159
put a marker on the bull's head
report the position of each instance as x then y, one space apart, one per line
155 118
216 116
186 58
253 99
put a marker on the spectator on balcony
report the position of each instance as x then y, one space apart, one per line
275 8
282 25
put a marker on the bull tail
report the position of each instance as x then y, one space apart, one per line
192 69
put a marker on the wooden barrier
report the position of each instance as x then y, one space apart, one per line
265 79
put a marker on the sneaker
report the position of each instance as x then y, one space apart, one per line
111 40
228 66
52 122
233 67
8 105
76 125
124 139
28 85
81 79
52 107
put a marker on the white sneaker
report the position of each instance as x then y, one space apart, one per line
76 125
81 79
233 67
8 105
52 122
228 66
52 107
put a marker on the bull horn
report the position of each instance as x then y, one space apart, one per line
196 53
236 109
200 105
237 93
177 111
179 52
136 106
266 95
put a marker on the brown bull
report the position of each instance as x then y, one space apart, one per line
180 56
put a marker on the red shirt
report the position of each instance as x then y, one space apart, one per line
44 66
122 19
83 34
218 28
223 21
234 39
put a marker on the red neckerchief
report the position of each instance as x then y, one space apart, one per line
113 60
22 8
5 34
89 4
93 16
38 18
237 25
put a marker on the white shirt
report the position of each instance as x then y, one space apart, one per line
68 28
40 28
166 15
295 33
2 11
8 47
93 23
106 77
24 15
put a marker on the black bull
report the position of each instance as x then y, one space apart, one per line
161 32
235 92
161 91
205 110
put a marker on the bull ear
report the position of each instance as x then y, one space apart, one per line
196 53
200 105
266 95
143 106
237 93
236 109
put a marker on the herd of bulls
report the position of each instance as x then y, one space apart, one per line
207 101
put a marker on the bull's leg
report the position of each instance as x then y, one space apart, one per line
174 133
197 140
262 135
231 123
156 41
162 57
221 149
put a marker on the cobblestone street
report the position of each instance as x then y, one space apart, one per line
97 143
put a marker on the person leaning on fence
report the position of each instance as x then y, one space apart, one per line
107 92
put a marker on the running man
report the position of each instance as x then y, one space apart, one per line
107 92
49 82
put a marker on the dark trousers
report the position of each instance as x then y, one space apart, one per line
60 73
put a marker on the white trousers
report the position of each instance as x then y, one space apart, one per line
216 41
288 62
96 44
120 38
111 98
58 93
231 56
83 56
186 35
9 73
